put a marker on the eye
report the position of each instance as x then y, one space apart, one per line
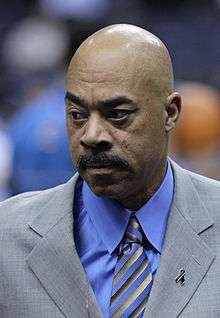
78 116
118 114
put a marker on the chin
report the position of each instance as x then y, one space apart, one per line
103 190
107 185
111 191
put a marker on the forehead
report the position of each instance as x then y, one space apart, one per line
105 73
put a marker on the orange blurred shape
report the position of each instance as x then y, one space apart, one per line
198 128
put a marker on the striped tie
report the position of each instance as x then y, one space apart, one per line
132 278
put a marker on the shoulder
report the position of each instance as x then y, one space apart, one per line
23 208
25 218
205 186
202 183
209 192
192 187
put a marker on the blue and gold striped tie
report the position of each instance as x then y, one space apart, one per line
132 278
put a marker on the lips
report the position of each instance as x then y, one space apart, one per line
99 169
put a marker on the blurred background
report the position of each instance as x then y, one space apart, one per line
37 38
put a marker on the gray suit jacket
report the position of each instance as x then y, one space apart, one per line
41 275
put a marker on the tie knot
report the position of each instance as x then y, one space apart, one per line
134 233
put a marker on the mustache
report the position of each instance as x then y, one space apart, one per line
101 160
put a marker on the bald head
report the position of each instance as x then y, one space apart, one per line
123 48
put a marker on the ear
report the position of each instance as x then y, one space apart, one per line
173 107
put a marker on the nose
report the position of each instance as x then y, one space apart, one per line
96 134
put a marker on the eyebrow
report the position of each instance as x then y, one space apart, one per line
110 103
116 101
75 99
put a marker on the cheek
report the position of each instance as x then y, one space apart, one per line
74 143
120 138
142 144
130 144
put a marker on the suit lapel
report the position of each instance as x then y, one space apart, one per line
183 249
55 261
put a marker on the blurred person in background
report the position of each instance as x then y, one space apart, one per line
195 144
35 51
40 151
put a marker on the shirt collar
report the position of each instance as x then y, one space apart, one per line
154 214
110 219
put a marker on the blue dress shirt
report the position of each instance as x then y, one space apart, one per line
100 224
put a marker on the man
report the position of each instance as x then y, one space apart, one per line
134 235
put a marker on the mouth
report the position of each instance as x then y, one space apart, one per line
99 169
